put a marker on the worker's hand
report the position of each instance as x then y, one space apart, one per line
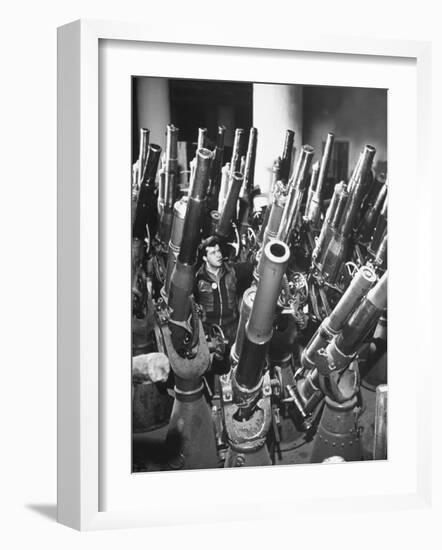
150 366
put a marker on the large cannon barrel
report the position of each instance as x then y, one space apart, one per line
333 214
229 208
259 327
249 168
357 289
287 155
379 230
359 286
215 168
315 197
195 208
311 191
370 218
146 209
363 319
357 189
179 214
325 162
142 153
235 163
171 165
202 138
295 194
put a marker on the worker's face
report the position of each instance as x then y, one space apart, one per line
213 257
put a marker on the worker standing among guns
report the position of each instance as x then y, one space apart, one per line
218 288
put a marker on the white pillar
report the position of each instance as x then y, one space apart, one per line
152 96
276 108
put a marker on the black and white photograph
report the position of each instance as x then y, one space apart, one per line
259 274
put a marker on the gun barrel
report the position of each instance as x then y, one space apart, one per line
380 230
215 168
325 162
171 166
176 236
195 208
202 138
249 168
357 289
235 163
380 259
311 190
363 319
359 286
244 314
259 327
357 189
146 209
295 194
229 209
142 154
380 423
372 214
287 154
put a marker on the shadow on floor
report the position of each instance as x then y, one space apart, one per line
48 511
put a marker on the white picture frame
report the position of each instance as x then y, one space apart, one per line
80 437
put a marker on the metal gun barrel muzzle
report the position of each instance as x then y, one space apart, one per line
273 265
172 143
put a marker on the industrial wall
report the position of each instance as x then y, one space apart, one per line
357 115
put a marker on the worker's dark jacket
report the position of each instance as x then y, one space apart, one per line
219 297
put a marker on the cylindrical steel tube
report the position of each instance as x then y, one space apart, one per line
249 168
244 314
363 319
357 189
340 204
380 423
142 154
229 210
359 286
146 209
215 168
325 162
332 324
381 255
287 154
224 186
371 215
274 263
311 191
295 194
171 165
235 163
179 213
195 208
258 329
202 138
379 231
